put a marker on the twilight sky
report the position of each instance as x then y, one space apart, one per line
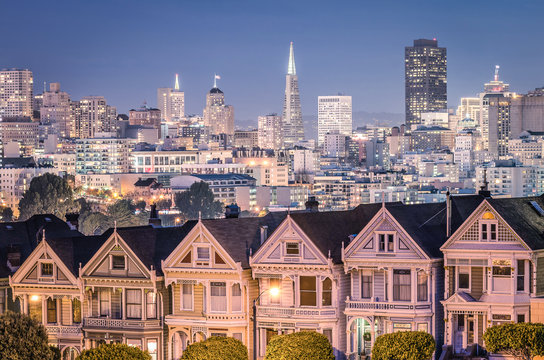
124 50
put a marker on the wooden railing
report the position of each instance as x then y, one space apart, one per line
292 312
371 305
108 323
64 330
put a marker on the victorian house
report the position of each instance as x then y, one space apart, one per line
209 281
395 271
494 270
303 259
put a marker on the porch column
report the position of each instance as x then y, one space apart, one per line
59 310
449 329
390 284
476 324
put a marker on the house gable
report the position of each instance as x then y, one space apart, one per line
199 250
289 245
485 229
115 259
383 237
43 267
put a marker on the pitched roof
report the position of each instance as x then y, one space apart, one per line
145 182
242 236
524 218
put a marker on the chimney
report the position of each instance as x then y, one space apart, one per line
72 220
312 204
232 211
13 257
448 214
264 233
154 217
484 190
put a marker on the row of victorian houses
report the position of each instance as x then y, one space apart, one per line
451 269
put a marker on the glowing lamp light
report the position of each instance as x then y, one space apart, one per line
274 291
35 298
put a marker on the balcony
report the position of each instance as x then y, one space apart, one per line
132 324
229 317
64 330
355 306
291 312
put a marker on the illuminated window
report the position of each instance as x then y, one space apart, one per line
47 269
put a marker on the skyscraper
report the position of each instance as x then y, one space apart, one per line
16 92
293 127
425 79
270 132
218 116
56 110
92 115
334 115
171 102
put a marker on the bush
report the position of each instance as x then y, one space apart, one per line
404 345
114 352
300 345
216 348
22 337
522 340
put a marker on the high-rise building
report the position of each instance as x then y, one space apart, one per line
21 130
102 155
270 132
92 115
293 127
56 109
171 102
16 92
145 116
425 79
469 108
334 114
218 116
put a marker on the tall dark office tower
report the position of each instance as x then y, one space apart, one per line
425 79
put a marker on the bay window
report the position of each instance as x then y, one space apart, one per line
76 311
366 284
186 297
134 303
274 283
521 276
422 286
326 292
236 302
104 299
402 285
218 295
151 305
51 311
308 291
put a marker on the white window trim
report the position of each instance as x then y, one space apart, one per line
488 223
181 304
47 261
361 285
298 242
386 233
195 253
241 298
111 262
469 289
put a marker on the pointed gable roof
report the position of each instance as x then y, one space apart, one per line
523 218
327 230
240 236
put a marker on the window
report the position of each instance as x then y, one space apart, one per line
328 334
47 269
488 230
274 283
104 302
308 291
203 254
152 348
422 290
118 262
236 302
381 241
484 231
237 336
218 296
292 249
464 278
493 231
134 303
521 276
502 271
151 305
390 243
521 318
401 285
76 311
187 297
326 292
51 310
366 284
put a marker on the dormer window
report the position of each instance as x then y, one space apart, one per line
118 262
386 242
292 249
488 227
47 269
203 254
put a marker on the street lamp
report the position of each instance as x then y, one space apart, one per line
274 292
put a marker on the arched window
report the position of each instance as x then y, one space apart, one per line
326 292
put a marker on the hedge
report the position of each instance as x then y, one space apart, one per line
300 345
404 345
522 340
114 352
216 348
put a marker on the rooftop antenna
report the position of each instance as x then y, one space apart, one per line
115 225
200 216
43 234
497 67
215 78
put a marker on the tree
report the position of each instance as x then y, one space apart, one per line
521 340
93 223
47 194
163 204
114 352
300 345
6 214
198 199
404 345
216 348
22 337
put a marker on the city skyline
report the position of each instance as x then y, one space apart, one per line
252 66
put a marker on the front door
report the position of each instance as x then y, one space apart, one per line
458 334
